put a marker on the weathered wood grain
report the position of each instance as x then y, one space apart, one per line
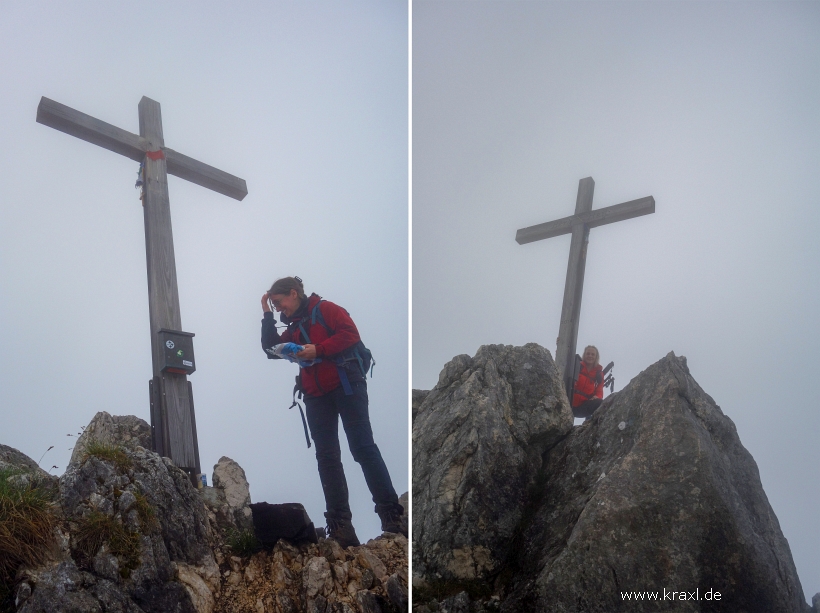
619 212
197 467
65 119
163 293
574 284
217 180
180 424
133 146
598 217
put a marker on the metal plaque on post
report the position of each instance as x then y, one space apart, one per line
177 351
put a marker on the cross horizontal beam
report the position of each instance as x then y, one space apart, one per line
592 219
73 122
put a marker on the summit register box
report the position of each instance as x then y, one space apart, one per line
177 351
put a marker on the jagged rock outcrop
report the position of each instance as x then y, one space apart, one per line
323 578
478 438
133 535
230 481
654 493
12 459
25 470
404 501
228 501
417 400
126 431
131 521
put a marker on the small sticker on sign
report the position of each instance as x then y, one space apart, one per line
180 353
169 344
187 363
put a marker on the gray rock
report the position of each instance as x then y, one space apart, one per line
815 603
367 601
460 603
12 459
654 492
478 439
418 400
316 577
404 501
106 565
61 587
217 504
286 603
397 593
367 579
318 606
154 547
128 431
230 478
153 501
26 472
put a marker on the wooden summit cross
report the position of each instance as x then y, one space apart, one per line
172 410
579 225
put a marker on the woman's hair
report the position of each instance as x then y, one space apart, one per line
285 284
597 354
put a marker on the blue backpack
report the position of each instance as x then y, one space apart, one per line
353 362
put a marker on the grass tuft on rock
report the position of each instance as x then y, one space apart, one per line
146 514
96 529
108 453
242 542
26 527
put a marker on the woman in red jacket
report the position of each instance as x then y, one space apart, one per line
334 386
589 388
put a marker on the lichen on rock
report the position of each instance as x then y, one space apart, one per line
126 431
133 535
654 492
478 438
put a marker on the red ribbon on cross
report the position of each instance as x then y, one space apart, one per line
159 154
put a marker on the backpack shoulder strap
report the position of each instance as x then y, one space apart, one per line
316 316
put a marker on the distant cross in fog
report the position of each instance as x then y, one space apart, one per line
579 225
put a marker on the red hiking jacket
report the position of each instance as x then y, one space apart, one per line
321 378
590 384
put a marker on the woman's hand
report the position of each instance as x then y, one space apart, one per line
265 303
308 353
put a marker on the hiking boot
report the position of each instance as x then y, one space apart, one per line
391 517
341 531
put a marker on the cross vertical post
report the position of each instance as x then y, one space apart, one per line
574 285
176 427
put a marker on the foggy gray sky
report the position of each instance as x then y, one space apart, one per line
306 101
712 108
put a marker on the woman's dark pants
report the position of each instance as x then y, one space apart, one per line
323 414
587 408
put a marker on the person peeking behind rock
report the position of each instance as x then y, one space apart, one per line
588 393
333 365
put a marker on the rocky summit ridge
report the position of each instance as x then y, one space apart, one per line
515 509
129 533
